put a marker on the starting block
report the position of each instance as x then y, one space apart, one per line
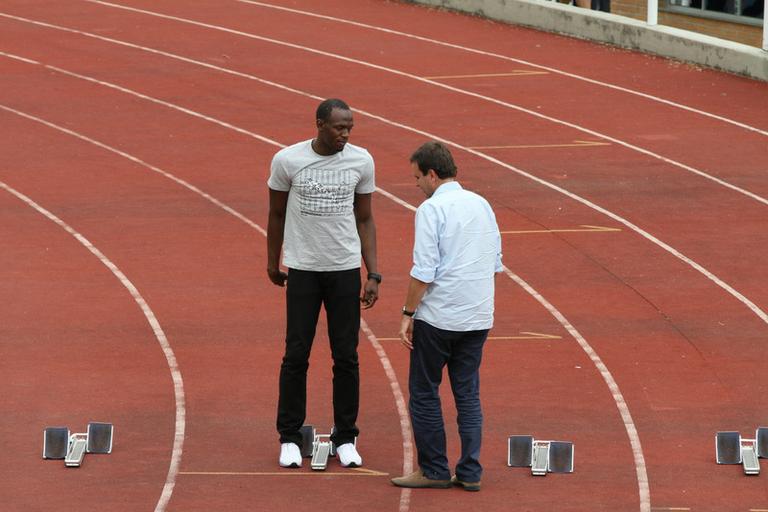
730 448
541 456
318 446
59 443
321 450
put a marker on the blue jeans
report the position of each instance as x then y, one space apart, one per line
462 352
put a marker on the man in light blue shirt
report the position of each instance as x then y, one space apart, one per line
447 314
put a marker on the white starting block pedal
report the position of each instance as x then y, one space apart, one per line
541 456
77 446
59 443
730 448
321 450
318 446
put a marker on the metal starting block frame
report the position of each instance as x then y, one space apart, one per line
59 443
730 448
321 450
541 456
317 446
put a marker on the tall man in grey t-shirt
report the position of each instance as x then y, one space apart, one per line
320 216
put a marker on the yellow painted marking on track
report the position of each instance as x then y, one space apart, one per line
583 228
574 144
758 510
526 336
671 508
288 472
517 72
531 336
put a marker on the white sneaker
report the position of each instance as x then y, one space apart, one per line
348 456
290 455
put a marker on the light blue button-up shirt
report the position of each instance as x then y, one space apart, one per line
457 251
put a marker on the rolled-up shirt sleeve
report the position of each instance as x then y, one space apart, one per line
426 249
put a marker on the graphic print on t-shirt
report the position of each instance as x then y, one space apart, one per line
324 192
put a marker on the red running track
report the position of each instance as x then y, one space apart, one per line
133 172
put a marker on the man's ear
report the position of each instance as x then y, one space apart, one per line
433 174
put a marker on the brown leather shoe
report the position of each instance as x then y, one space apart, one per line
468 486
417 480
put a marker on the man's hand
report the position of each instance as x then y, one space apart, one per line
370 294
406 331
277 276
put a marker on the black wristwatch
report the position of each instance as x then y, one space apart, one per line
408 313
376 277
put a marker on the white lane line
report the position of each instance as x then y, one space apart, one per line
405 425
465 92
402 409
178 383
719 282
510 59
629 424
709 275
642 481
641 470
139 162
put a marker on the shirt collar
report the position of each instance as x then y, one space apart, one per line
447 187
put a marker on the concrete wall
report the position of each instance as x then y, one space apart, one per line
620 31
751 35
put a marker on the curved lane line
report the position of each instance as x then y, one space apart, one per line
621 404
511 59
405 425
406 432
178 383
402 409
719 282
643 233
639 463
458 90
575 197
131 158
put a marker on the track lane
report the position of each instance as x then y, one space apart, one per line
642 134
647 74
133 115
219 324
620 198
79 327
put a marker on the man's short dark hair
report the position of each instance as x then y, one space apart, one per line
325 108
435 155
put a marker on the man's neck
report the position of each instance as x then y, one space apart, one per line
320 149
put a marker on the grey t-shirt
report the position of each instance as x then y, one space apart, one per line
320 228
